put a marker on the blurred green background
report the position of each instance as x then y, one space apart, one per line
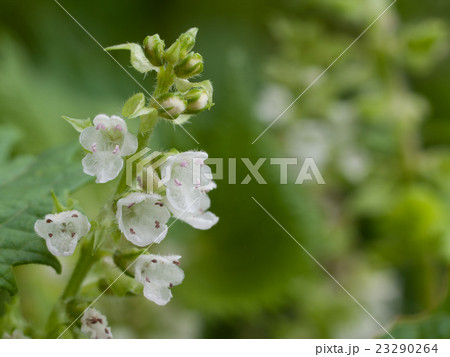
377 124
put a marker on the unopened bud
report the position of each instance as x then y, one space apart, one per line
187 42
197 100
154 50
190 66
171 106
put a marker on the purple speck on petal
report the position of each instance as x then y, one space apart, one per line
100 126
184 163
118 127
178 183
116 149
94 147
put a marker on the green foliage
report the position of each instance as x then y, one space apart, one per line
24 197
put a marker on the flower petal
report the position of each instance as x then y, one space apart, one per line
106 166
142 218
158 274
95 324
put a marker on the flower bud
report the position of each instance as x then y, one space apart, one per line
197 100
187 42
172 106
154 50
190 66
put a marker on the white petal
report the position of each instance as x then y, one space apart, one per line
89 137
142 218
95 324
62 231
106 166
158 274
130 145
200 219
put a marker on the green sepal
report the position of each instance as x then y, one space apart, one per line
78 124
58 207
148 120
183 85
133 105
137 57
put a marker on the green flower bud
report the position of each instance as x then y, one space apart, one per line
171 105
190 66
154 50
197 100
187 42
181 47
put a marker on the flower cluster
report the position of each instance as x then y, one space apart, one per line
140 215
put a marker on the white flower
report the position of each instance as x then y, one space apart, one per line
187 180
158 274
108 140
62 231
200 219
142 218
95 324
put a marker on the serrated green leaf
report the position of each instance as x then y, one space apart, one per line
78 124
137 57
24 198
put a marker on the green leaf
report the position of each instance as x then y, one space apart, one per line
25 196
78 124
137 57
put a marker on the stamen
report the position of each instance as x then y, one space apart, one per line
116 149
176 262
75 216
73 234
160 204
118 127
147 280
131 205
178 183
170 285
157 224
132 231
94 147
154 261
50 235
184 163
49 221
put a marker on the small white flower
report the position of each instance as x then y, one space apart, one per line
62 231
201 219
187 180
142 218
95 324
158 274
108 141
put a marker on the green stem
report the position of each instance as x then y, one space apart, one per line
85 262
